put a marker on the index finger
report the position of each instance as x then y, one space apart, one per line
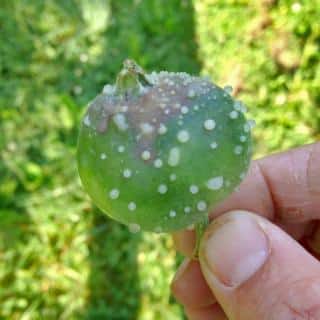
283 187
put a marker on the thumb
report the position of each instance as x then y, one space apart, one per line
256 271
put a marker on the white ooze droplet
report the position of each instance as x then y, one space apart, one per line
132 206
127 173
145 155
209 124
215 183
162 188
201 205
114 194
183 136
174 157
194 189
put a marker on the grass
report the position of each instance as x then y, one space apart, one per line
60 258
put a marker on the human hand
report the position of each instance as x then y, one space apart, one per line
255 260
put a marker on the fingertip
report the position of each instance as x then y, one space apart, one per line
189 286
212 312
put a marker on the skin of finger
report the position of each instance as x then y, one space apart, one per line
288 183
295 183
289 281
212 312
190 287
296 230
313 241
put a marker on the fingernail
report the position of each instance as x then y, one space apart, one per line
234 249
182 268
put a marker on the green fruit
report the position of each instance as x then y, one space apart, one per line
158 151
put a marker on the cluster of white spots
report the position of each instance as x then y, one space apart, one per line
120 121
127 173
184 109
187 209
165 76
114 194
173 177
146 128
134 227
177 106
87 121
158 163
201 205
121 148
132 206
183 136
209 124
167 111
191 93
172 213
196 107
108 89
174 157
215 183
145 155
213 145
168 82
103 156
233 114
152 77
237 149
143 89
162 129
228 89
173 92
162 188
194 189
243 138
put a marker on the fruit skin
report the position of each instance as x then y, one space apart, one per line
203 143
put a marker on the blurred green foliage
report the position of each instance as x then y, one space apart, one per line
269 51
59 257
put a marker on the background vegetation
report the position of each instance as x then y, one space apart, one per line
60 258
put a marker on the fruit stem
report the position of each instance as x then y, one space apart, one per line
131 79
200 228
